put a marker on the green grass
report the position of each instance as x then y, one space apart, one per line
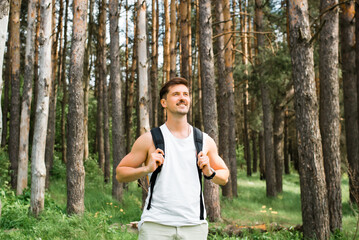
106 218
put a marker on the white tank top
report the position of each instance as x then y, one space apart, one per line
176 195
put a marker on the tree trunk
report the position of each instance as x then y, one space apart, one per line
184 39
254 149
347 39
86 80
354 164
230 93
244 39
106 132
278 128
4 19
312 177
118 146
102 71
13 147
267 110
154 66
64 89
330 111
211 190
262 161
223 97
166 44
130 88
173 39
51 130
26 98
75 140
198 98
38 170
286 152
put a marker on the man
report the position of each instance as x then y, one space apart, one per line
174 212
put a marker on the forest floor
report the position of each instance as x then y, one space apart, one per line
251 215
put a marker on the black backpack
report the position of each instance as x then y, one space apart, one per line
160 143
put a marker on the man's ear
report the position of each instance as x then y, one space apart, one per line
163 103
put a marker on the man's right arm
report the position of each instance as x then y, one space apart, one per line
135 164
131 166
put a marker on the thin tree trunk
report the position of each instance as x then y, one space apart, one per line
173 39
312 177
166 44
131 83
4 19
230 92
64 89
330 110
106 131
13 147
267 110
262 162
286 152
50 136
199 119
118 146
75 140
211 190
86 80
26 98
347 27
38 170
102 71
278 128
184 39
223 97
154 66
254 150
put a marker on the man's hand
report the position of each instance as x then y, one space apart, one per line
156 160
203 163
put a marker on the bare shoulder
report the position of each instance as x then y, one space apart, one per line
210 143
144 142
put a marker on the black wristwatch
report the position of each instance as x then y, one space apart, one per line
212 175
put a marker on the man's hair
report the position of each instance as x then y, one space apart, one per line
174 81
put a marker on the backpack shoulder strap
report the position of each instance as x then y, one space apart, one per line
159 142
198 141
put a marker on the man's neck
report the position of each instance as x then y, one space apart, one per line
178 126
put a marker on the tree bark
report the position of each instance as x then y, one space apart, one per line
4 19
51 130
13 147
75 140
223 97
330 110
262 161
278 129
118 146
38 170
230 92
211 190
166 44
26 98
173 39
267 110
64 89
286 152
154 65
347 28
86 80
102 71
254 150
312 177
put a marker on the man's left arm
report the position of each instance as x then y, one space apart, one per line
212 161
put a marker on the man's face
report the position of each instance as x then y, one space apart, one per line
177 100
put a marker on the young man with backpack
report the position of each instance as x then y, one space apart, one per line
175 155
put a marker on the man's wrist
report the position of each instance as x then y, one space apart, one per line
210 176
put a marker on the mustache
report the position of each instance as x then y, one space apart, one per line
181 101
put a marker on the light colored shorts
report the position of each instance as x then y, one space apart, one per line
155 231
